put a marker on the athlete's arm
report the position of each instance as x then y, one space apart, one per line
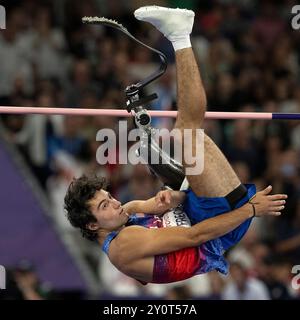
138 242
163 201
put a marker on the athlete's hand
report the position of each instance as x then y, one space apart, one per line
268 205
164 198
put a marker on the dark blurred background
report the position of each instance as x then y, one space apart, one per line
249 57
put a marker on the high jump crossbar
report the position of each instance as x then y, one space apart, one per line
153 113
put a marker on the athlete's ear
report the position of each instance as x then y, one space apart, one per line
93 226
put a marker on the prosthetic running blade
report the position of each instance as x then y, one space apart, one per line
168 170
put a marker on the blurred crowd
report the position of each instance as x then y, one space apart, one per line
249 59
23 283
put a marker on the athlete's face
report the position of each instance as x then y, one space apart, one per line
108 211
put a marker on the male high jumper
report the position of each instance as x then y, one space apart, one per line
217 208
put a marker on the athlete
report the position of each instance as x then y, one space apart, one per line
180 233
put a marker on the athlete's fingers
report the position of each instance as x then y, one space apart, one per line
278 202
163 197
267 190
278 208
158 199
159 203
168 197
277 196
274 213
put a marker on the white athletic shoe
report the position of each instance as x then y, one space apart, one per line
173 23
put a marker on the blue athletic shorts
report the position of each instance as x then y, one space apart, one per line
202 208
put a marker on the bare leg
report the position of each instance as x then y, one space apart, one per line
218 178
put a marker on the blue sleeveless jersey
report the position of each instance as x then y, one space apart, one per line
185 263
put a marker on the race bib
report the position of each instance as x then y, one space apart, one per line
176 218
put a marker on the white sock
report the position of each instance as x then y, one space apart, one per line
181 42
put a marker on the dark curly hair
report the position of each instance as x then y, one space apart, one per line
80 191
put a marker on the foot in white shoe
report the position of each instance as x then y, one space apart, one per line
175 24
